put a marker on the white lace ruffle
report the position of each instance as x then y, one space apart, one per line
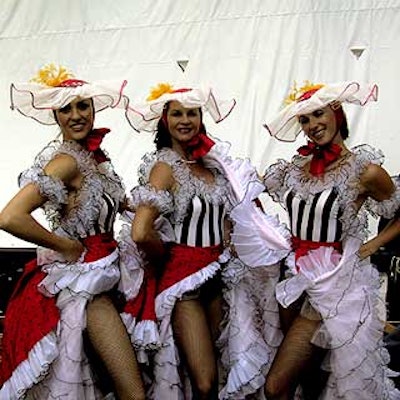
131 261
165 301
147 195
144 336
385 208
51 188
83 278
251 331
345 292
259 238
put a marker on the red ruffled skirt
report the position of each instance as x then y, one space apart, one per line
30 315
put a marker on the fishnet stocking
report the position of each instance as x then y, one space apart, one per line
295 356
194 339
111 342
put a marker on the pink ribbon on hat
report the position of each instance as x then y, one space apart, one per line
92 143
322 156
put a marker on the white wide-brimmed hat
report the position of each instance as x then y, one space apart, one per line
54 87
144 117
285 126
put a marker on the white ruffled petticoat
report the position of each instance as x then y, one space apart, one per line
251 331
345 292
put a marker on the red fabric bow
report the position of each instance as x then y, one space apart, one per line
322 156
92 143
200 145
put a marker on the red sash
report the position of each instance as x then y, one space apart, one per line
302 247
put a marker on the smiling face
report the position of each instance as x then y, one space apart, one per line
183 123
76 119
320 126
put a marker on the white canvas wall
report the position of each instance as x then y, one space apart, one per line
252 50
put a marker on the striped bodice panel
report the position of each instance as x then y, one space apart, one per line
203 224
316 218
106 217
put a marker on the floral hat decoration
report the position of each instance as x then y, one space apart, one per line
310 97
54 87
144 117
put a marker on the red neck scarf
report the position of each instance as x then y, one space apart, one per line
92 143
200 145
322 156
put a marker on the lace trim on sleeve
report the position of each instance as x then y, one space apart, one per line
385 208
51 188
274 180
366 155
148 195
148 162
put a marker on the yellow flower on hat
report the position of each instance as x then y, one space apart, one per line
296 93
159 90
52 75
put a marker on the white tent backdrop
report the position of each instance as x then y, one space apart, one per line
251 50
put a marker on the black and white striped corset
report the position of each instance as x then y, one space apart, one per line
203 224
108 211
316 218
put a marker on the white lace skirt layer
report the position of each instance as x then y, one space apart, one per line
57 367
345 292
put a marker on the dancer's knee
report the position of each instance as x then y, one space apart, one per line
205 387
274 387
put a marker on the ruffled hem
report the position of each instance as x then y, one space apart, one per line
144 336
166 300
32 370
57 365
83 278
251 331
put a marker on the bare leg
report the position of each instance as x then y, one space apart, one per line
293 357
193 337
111 342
